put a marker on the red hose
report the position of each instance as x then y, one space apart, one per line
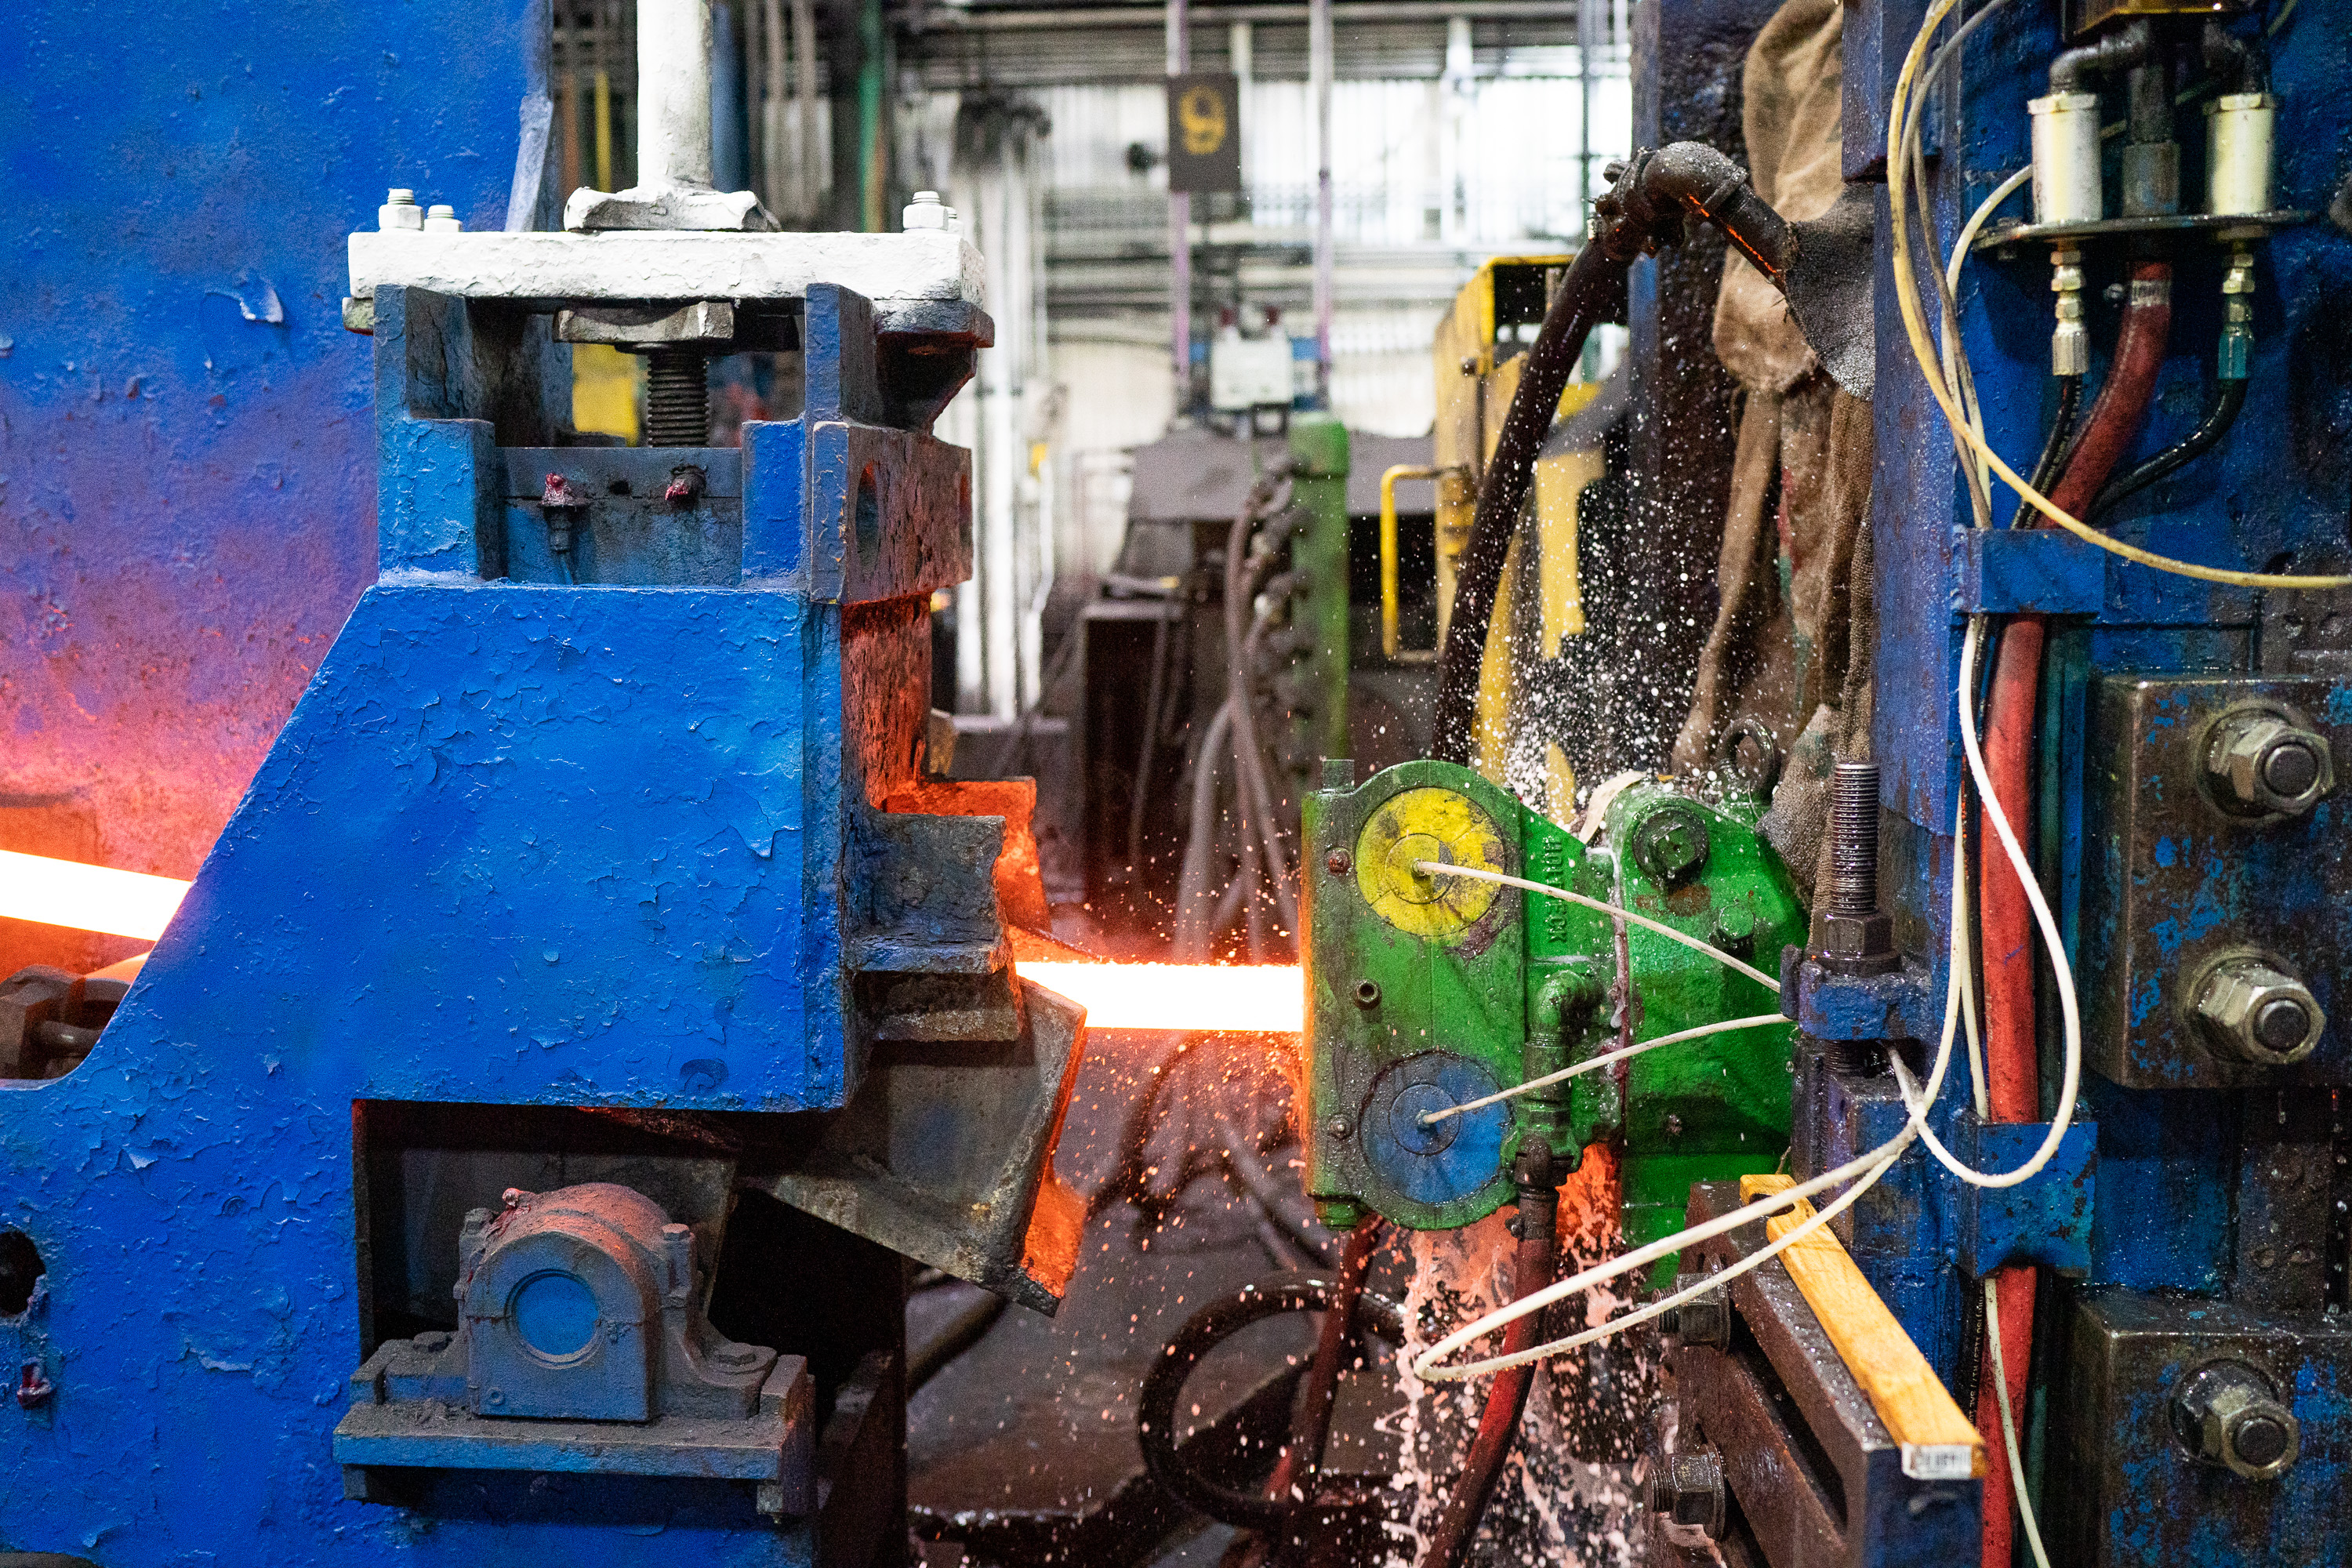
2013 1065
1449 1544
1300 1466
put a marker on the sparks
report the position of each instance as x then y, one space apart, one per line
1246 998
86 898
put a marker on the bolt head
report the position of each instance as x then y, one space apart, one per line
2228 1414
1339 862
1339 1127
1671 844
1687 1488
2261 763
2253 1012
1704 1320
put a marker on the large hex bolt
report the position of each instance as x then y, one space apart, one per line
2249 1009
1687 1488
1704 1320
2260 762
2228 1414
1671 844
1852 935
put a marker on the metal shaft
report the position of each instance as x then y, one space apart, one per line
673 94
1853 839
678 399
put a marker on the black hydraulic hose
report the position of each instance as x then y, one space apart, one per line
2052 461
1649 199
2227 401
2073 71
1550 360
1173 1464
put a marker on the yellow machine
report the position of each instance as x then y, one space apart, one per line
1479 350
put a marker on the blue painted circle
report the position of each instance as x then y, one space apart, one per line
555 1314
1437 1162
1413 1135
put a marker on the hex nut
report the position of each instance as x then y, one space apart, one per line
2229 1416
1671 844
2261 761
1704 1320
1687 1488
1855 944
2249 1009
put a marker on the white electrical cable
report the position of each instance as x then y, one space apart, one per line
1594 1064
1864 1171
1968 431
1960 992
1479 874
1902 116
1904 121
2009 1425
1721 1277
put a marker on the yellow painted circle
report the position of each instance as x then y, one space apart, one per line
1428 823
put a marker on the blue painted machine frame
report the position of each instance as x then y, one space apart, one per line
609 845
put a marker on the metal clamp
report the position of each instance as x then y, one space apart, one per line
1391 641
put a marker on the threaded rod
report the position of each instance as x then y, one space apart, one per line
678 398
1853 839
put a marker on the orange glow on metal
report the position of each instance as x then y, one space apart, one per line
1246 998
86 898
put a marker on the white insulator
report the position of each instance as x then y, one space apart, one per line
2240 128
2066 159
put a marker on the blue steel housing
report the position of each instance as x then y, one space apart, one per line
522 844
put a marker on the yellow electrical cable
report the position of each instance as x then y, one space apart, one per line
1902 127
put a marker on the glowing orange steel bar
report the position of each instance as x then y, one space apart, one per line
86 898
1248 998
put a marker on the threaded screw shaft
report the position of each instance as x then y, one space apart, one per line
678 398
1853 839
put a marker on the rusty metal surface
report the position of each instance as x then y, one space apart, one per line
2176 881
2124 1490
945 1155
1816 1476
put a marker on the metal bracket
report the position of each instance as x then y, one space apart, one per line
2045 1220
2028 571
1832 1007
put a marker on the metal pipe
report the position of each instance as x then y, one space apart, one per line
873 147
1320 50
673 95
1180 234
949 19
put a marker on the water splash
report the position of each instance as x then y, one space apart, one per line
1567 1494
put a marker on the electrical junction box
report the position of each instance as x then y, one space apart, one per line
1250 373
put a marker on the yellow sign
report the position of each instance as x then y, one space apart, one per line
1201 111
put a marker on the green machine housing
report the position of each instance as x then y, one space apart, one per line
1427 992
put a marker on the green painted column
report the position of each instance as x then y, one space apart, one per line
1318 556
